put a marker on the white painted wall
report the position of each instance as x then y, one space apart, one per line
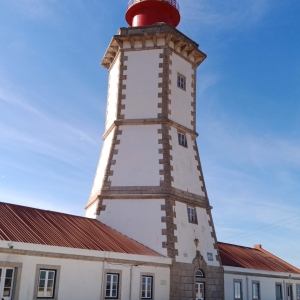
187 232
112 96
137 161
181 101
142 84
185 172
139 219
82 279
98 181
266 279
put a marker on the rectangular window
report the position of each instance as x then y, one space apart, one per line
255 290
289 291
278 291
112 286
182 139
192 214
6 282
298 292
147 282
181 81
237 290
46 284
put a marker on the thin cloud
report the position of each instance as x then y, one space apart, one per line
33 9
225 14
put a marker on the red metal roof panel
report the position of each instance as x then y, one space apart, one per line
37 226
253 258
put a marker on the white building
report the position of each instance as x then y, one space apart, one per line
254 273
148 232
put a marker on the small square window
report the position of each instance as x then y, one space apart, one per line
192 214
112 286
46 284
238 290
181 81
147 287
182 139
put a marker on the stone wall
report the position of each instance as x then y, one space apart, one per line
183 280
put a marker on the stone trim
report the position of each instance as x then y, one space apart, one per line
150 121
165 84
77 257
37 275
214 236
183 46
169 208
153 192
17 275
150 192
193 86
199 167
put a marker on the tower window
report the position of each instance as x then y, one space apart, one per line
182 139
181 81
192 214
200 274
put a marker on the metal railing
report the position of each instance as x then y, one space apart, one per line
172 2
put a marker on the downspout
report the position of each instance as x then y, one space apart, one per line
130 283
102 279
247 287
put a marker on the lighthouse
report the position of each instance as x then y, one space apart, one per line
149 183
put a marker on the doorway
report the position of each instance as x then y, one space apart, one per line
199 291
6 283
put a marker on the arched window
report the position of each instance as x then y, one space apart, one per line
200 274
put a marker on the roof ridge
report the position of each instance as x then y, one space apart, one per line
278 259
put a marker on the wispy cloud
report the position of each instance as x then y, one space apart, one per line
225 14
33 9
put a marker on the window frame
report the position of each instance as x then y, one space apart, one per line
17 276
292 294
119 292
278 284
256 282
240 281
118 282
48 271
181 79
297 288
184 144
54 268
152 275
195 214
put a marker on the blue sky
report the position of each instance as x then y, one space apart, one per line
53 97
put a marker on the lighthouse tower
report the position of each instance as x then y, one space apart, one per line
149 183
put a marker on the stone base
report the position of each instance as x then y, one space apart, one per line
183 280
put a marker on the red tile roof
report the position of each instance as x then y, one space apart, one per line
36 226
253 258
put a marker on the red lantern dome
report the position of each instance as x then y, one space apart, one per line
149 12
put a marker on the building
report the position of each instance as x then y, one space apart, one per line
148 231
254 273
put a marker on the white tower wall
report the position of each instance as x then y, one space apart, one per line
146 179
